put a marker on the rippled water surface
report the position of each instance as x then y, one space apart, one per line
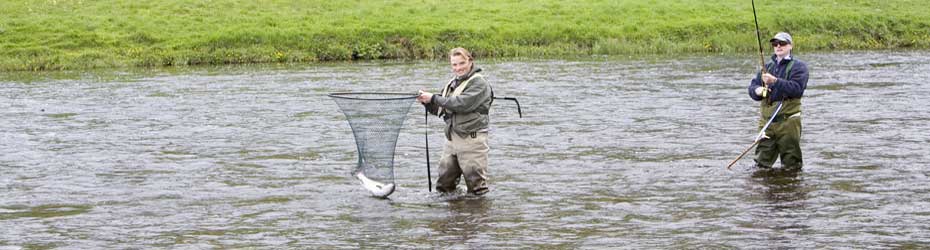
618 153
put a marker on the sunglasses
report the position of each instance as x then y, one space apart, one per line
779 43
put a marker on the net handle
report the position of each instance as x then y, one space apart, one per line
429 176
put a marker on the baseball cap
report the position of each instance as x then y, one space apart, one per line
781 36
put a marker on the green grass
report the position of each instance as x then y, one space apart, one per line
82 34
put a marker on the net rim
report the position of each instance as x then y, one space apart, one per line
351 95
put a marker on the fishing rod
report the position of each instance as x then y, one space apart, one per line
759 137
761 54
519 111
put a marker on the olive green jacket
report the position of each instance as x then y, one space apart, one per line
467 112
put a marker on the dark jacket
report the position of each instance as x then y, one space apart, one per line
788 86
468 112
788 89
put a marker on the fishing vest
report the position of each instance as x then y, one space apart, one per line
458 90
790 107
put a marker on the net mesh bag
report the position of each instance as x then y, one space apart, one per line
376 120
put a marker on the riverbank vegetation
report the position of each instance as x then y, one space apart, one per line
81 34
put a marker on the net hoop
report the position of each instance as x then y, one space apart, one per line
373 95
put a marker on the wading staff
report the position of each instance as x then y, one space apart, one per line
758 137
761 54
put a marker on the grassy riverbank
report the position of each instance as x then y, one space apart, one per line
80 34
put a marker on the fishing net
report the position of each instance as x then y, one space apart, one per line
376 119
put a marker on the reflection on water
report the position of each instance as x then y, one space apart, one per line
465 221
784 211
610 153
783 188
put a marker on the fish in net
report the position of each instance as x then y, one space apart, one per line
376 120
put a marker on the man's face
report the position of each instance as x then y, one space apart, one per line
781 48
460 65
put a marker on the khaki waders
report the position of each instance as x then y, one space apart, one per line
467 156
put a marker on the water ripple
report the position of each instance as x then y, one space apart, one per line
609 154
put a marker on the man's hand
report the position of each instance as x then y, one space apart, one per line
425 97
760 90
769 78
762 136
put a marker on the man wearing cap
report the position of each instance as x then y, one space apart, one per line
784 82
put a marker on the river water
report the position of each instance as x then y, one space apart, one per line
610 153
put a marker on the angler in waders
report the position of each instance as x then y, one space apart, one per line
464 105
784 82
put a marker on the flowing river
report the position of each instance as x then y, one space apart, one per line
610 153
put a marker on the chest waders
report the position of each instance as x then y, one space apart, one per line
784 131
